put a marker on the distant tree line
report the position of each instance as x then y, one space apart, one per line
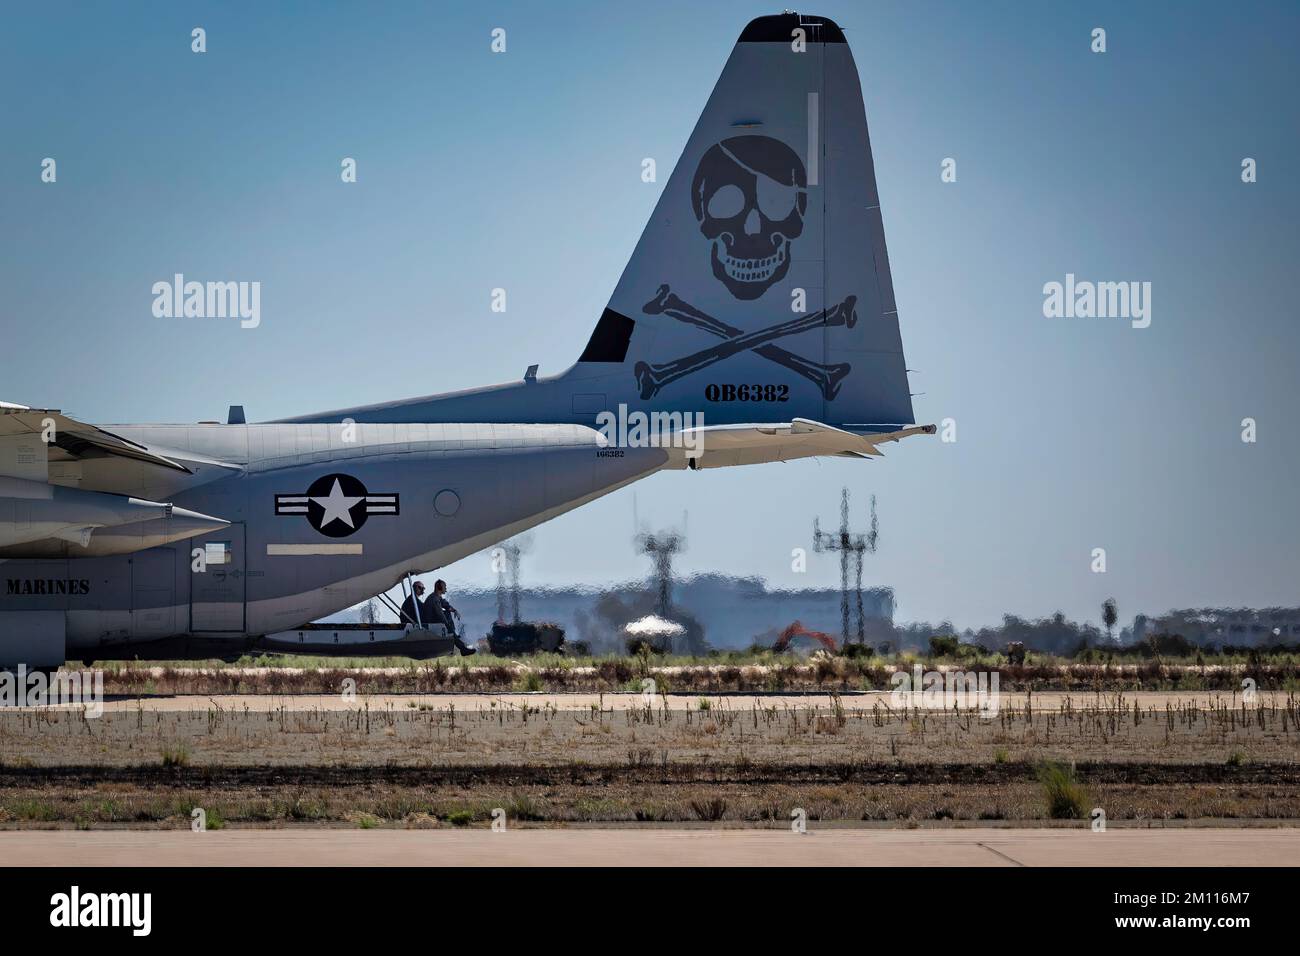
1183 633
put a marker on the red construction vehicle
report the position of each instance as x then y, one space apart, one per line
798 630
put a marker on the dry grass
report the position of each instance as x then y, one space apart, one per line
424 732
1065 798
419 762
763 673
620 795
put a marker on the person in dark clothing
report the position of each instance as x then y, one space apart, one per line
435 613
440 606
433 610
409 615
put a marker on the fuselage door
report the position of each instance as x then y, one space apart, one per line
153 579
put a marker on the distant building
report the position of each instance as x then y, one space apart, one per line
1240 627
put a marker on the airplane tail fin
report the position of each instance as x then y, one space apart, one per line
760 288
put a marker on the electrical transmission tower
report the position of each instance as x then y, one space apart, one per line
506 559
661 548
851 548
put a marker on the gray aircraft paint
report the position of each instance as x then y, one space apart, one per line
507 478
774 192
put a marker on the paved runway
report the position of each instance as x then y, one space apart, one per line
656 847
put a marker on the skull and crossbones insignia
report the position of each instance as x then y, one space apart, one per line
750 194
828 378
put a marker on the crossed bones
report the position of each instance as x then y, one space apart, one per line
828 378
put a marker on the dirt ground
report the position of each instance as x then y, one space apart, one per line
549 730
438 761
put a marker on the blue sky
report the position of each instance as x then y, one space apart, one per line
522 170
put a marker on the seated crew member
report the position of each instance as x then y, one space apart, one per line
441 610
408 606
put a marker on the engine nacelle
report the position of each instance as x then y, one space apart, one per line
39 520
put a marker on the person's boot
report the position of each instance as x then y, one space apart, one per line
465 649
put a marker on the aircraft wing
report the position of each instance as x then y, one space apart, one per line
71 438
751 444
69 489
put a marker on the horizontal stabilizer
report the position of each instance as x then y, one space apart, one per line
717 446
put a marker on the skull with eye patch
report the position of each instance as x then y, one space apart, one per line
750 194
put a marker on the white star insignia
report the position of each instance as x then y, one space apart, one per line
338 506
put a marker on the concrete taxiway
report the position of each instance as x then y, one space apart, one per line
657 847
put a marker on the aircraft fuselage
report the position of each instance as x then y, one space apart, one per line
321 517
